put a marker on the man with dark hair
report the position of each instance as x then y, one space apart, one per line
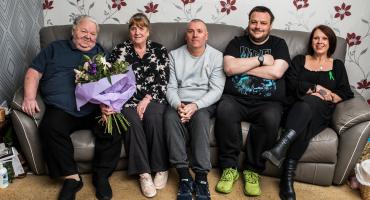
196 84
254 91
52 73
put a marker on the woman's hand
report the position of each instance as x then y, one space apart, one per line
106 111
142 105
326 94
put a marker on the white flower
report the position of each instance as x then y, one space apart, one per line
104 62
86 66
77 71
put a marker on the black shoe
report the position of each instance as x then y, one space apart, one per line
185 189
287 180
277 154
69 189
102 188
202 190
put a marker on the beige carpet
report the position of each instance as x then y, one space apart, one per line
124 187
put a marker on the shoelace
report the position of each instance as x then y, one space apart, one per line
202 189
227 175
185 186
252 177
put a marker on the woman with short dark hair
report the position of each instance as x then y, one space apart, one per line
317 83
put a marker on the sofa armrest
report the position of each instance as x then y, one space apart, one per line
349 113
351 121
26 128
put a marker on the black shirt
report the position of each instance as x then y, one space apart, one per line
300 79
252 87
57 85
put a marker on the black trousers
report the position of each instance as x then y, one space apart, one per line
264 117
144 141
55 130
307 117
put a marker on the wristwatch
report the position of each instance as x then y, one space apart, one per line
261 59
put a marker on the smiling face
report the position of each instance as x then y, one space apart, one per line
196 35
84 35
259 26
320 43
139 34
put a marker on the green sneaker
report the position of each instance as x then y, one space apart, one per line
252 184
225 184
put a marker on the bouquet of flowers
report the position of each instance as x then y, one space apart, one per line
112 84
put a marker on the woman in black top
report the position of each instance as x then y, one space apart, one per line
317 82
144 141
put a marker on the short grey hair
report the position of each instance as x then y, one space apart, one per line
199 20
80 18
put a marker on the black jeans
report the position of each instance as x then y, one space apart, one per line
264 117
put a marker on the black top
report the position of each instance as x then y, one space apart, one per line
300 79
57 85
252 87
151 71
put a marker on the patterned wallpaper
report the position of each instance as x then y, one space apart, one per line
349 18
20 22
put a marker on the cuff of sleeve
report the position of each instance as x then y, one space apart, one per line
199 104
175 104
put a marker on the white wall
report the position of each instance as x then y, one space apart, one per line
288 16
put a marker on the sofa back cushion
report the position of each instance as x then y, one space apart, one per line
172 35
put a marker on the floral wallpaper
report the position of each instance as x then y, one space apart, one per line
350 19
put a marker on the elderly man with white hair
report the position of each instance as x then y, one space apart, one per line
51 72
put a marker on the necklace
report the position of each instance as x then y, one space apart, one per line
322 64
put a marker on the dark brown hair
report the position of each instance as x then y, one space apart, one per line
262 9
332 38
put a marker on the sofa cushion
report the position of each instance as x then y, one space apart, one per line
84 143
322 148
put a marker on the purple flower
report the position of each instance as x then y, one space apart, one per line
93 68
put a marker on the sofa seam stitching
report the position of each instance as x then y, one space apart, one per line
363 131
345 124
28 142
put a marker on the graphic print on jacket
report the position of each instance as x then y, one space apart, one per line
251 85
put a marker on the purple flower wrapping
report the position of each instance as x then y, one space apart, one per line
102 91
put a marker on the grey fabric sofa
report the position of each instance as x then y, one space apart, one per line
328 160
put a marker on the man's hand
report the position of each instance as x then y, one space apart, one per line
268 59
30 106
31 82
142 105
187 111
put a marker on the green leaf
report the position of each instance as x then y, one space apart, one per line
109 79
